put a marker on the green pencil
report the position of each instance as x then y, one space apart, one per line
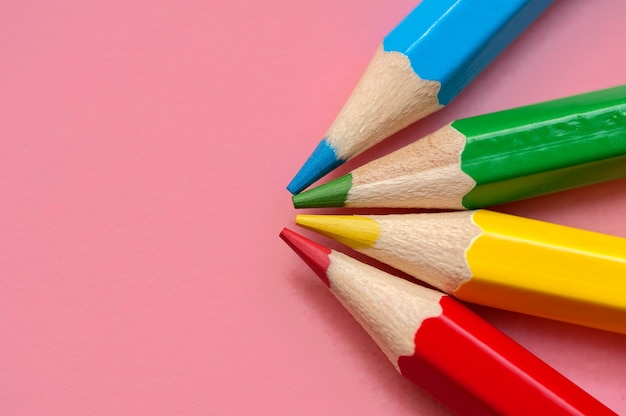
493 158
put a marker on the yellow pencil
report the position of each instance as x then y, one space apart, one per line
498 260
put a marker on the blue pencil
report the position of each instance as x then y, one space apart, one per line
421 65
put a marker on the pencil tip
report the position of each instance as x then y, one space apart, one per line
331 194
322 160
313 254
355 231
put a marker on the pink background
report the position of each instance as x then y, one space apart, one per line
146 146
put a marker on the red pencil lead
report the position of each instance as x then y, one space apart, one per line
313 254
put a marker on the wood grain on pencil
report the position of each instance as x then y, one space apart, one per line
421 65
498 260
493 158
443 347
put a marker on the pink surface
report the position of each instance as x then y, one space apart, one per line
146 146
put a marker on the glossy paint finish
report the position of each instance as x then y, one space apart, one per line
452 41
513 381
546 147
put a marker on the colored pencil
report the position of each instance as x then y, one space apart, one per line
494 158
440 345
498 260
421 65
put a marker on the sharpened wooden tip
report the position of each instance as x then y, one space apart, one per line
313 254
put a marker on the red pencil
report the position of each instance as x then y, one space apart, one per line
451 353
